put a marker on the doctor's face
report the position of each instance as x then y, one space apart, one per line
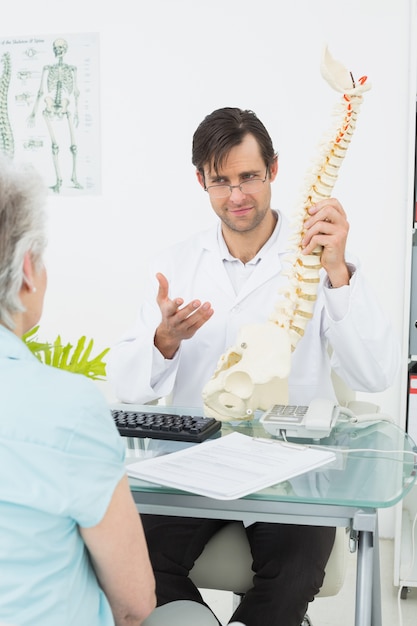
244 207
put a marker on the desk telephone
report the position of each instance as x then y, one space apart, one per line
308 422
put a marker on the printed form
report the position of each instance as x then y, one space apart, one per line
232 466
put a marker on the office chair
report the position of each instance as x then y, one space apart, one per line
181 613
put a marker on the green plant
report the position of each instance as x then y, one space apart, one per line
67 357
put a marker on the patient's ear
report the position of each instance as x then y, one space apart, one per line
27 272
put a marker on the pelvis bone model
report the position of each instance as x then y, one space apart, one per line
253 374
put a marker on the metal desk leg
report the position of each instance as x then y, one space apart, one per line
376 582
364 579
368 581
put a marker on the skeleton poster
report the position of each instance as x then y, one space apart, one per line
49 108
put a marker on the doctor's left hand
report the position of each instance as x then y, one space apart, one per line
177 323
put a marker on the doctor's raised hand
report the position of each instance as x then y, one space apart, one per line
177 323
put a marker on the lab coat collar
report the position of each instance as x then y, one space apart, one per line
270 265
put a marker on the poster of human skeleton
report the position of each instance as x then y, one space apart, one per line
49 108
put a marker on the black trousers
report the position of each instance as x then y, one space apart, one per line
288 565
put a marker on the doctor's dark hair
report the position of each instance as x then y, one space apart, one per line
222 130
22 229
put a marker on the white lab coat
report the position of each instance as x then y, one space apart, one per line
365 350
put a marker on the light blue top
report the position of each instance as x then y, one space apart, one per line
61 458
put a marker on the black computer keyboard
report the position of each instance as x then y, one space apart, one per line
156 425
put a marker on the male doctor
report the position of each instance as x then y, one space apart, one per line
205 289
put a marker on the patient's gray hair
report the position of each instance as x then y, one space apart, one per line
22 229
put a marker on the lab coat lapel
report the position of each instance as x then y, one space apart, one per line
213 263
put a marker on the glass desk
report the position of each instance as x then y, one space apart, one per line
375 468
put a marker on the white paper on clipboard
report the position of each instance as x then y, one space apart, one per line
230 467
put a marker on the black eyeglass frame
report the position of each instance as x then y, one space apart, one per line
231 187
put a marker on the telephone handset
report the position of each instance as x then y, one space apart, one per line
308 422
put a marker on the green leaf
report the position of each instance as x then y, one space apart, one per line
77 352
64 356
58 355
30 333
57 352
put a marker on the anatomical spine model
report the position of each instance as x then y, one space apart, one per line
253 374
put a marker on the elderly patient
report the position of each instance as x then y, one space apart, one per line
72 549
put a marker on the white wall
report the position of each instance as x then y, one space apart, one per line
164 65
